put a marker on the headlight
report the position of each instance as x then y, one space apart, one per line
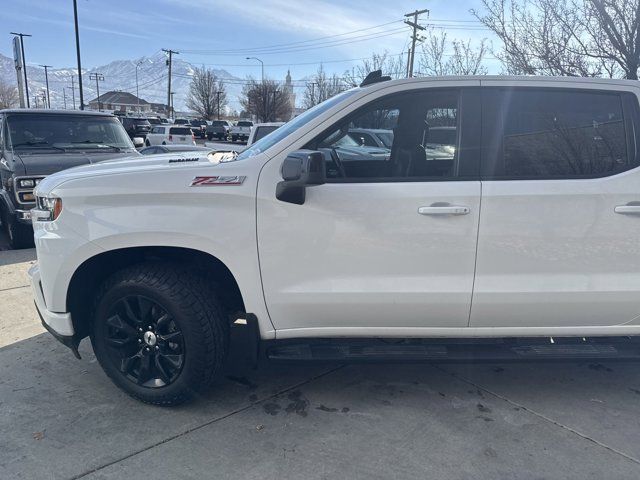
27 183
47 209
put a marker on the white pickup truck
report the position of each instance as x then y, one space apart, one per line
522 226
240 131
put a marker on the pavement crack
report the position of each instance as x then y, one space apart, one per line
13 288
543 417
207 423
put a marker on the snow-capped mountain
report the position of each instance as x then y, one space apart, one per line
120 75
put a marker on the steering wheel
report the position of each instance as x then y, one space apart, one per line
336 159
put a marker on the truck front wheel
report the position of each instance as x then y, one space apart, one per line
159 332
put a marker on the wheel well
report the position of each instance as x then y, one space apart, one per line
93 272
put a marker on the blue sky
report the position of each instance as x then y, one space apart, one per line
125 29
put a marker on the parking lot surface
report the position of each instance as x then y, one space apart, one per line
62 418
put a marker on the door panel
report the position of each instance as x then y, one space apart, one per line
360 255
554 253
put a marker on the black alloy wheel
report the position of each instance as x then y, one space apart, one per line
144 341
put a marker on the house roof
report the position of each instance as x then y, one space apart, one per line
119 98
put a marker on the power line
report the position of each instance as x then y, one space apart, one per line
301 48
312 40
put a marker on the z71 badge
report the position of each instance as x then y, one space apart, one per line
215 181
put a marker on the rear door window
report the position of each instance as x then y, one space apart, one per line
554 134
180 131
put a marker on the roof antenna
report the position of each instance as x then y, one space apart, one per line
374 77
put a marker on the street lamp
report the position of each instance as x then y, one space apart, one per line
261 65
24 64
264 95
137 94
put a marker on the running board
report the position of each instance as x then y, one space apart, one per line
454 350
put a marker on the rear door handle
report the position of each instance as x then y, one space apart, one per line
628 209
444 210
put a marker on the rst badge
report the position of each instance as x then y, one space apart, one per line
219 180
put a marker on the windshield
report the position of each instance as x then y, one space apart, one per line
386 138
218 123
293 125
50 131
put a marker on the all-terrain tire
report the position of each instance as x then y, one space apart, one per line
191 302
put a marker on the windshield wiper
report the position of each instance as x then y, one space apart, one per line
38 144
99 145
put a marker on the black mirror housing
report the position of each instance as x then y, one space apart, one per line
299 170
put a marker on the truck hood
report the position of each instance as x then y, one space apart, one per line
46 164
139 163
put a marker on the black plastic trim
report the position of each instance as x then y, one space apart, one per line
68 341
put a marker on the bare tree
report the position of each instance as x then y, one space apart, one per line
566 37
8 95
463 59
269 101
321 87
207 94
392 65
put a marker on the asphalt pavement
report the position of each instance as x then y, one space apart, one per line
61 418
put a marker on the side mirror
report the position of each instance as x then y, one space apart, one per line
138 142
301 169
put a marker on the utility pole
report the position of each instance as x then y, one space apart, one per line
98 77
414 37
73 91
313 92
75 20
171 110
24 64
169 61
64 96
218 96
46 78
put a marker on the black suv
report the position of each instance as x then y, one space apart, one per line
136 126
36 143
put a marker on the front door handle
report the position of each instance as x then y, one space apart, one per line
629 209
444 210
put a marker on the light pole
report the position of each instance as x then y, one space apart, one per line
46 79
137 94
261 65
24 64
75 21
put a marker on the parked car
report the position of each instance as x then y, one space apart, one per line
218 129
157 149
199 128
154 121
136 126
36 143
164 121
181 121
261 130
529 230
372 137
164 135
240 131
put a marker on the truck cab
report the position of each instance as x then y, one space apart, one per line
505 208
36 143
